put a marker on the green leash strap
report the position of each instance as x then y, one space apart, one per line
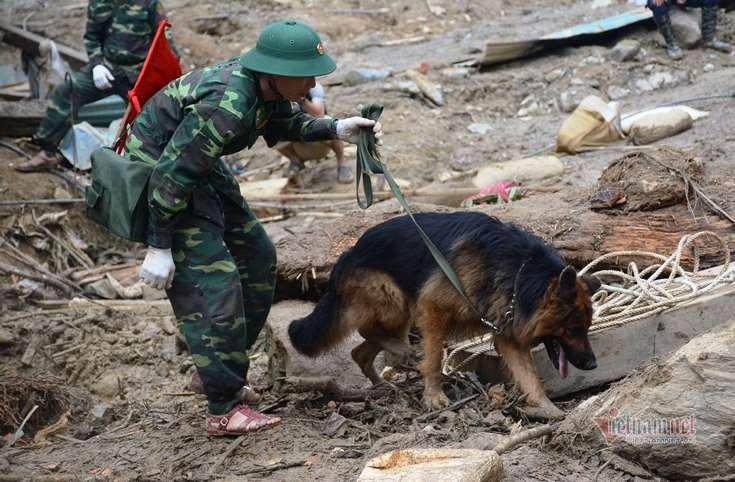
368 161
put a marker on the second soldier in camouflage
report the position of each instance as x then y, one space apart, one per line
205 245
117 38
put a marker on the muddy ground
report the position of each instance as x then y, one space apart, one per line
130 365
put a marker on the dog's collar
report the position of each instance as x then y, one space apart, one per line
510 313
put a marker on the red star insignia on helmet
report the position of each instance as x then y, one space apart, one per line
320 48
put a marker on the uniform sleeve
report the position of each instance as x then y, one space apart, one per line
187 159
158 15
295 125
99 15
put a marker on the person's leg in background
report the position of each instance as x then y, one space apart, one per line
660 9
57 121
709 27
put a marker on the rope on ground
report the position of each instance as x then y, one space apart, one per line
641 293
637 293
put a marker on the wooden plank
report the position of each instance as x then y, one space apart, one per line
622 349
143 307
29 42
21 118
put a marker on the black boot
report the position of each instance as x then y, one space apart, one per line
667 31
709 24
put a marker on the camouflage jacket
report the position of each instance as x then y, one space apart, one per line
119 33
185 128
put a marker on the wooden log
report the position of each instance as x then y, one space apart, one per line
29 42
306 257
21 118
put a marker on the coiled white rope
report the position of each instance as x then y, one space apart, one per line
635 294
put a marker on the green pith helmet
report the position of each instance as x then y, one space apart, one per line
289 48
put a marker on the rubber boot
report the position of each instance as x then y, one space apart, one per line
709 24
673 50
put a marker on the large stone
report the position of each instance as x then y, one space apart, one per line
107 386
625 50
289 367
675 417
686 27
419 465
521 170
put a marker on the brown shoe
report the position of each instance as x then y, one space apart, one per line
246 394
238 421
42 161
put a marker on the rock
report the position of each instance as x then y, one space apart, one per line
615 92
683 407
686 27
554 75
571 98
479 128
577 81
107 386
419 465
529 106
625 50
361 76
663 79
708 68
286 365
643 85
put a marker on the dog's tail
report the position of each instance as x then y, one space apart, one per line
322 329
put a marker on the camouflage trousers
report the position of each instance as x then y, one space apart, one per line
57 120
222 290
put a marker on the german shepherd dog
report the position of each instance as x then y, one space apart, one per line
389 281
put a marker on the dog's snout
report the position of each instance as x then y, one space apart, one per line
589 364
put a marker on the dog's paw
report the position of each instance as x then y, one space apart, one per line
436 400
546 411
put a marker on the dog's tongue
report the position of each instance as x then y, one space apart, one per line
563 367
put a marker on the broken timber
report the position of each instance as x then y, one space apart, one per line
566 222
29 42
21 118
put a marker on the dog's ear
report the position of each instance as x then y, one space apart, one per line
567 289
593 284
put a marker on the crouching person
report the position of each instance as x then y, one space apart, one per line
205 246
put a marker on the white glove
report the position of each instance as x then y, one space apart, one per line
158 268
349 129
102 77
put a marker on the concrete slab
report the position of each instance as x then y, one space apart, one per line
623 348
286 365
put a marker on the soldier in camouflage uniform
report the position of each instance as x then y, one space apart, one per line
205 245
118 36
